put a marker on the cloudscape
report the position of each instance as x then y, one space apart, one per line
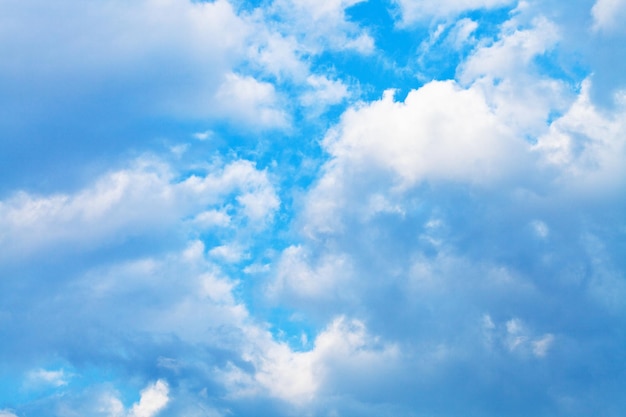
237 208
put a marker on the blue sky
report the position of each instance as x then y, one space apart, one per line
312 208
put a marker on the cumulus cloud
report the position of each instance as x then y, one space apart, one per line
607 14
441 132
454 234
456 200
512 84
586 145
298 377
513 52
153 399
131 201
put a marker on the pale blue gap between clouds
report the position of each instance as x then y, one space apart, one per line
248 228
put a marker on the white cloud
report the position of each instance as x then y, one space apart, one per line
7 413
298 376
440 132
279 55
212 218
132 201
248 100
542 345
520 340
111 406
43 377
513 52
323 24
153 399
587 146
608 15
170 58
333 9
298 279
418 223
505 72
416 11
206 135
324 92
540 228
461 33
515 337
228 253
126 44
180 293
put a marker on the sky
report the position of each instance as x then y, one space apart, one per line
333 208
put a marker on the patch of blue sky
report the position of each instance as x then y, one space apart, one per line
250 5
489 20
407 57
11 394
290 326
391 64
445 47
571 69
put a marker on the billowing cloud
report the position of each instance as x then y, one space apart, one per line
153 399
444 221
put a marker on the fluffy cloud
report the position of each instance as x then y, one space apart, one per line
456 204
153 399
440 132
129 202
250 101
298 377
607 14
458 238
587 146
513 52
508 76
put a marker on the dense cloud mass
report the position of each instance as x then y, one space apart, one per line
312 208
